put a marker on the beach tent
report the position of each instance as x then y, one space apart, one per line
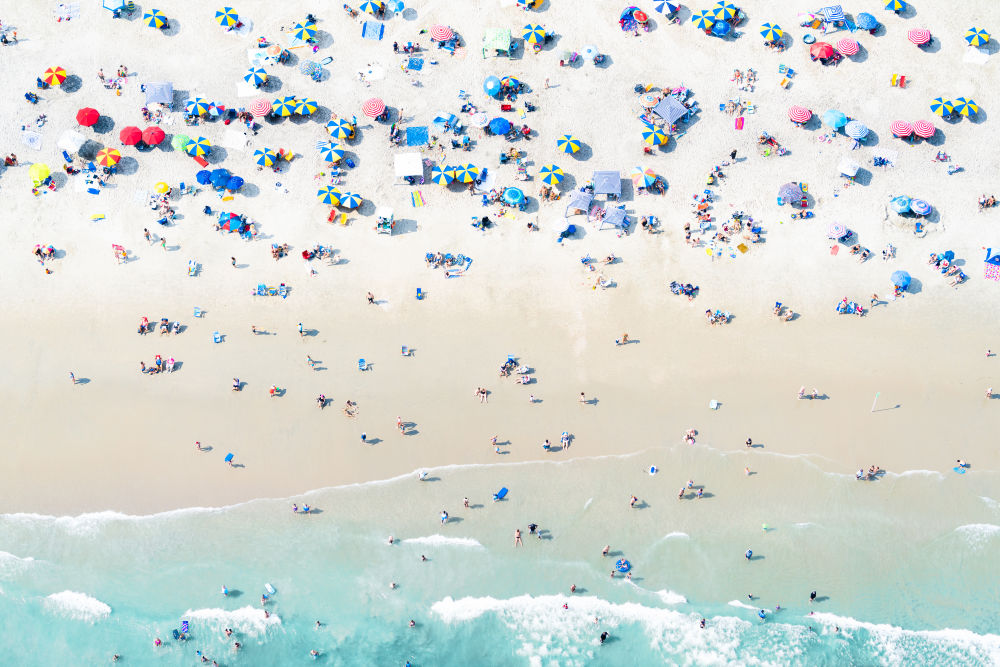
579 204
607 183
670 109
614 217
71 141
114 5
160 92
497 40
408 164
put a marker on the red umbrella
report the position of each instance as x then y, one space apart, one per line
373 108
821 50
923 129
130 135
901 128
848 47
441 33
87 116
260 107
799 114
919 36
153 135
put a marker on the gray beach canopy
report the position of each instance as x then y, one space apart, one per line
579 202
670 109
607 183
160 92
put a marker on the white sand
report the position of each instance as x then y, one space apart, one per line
126 441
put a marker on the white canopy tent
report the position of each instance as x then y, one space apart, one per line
408 164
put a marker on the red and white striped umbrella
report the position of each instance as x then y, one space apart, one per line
901 128
373 107
799 114
848 47
260 107
919 36
924 129
441 33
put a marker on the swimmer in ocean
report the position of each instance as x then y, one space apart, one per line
749 554
812 597
604 636
702 624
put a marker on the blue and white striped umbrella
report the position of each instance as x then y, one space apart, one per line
856 130
666 7
350 200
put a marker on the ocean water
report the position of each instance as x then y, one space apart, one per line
904 568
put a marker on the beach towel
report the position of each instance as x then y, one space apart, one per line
992 272
141 197
886 154
976 55
67 11
31 140
417 199
372 30
417 135
415 64
739 123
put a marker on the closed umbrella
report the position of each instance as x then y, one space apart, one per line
942 106
513 196
920 207
533 34
373 107
771 32
790 192
154 18
901 279
703 20
848 46
331 152
234 184
441 33
567 143
441 175
499 126
38 172
901 128
551 174
130 135
283 106
856 130
835 119
200 146
265 157
54 76
329 195
153 135
226 17
87 116
799 114
179 142
924 129
255 76
653 135
340 129
350 200
220 177
304 31
821 50
965 107
721 28
919 36
204 177
108 157
866 21
491 86
305 106
260 107
977 37
900 204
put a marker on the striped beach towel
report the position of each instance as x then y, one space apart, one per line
417 199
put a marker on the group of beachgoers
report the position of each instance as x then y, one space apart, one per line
165 326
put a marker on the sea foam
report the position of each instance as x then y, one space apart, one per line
78 606
978 534
443 541
246 620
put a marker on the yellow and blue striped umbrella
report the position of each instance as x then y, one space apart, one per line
567 143
371 6
442 175
723 11
977 36
331 152
199 146
551 174
533 34
305 106
466 173
304 31
703 20
227 17
895 5
964 107
197 107
283 106
329 195
340 129
350 200
154 18
942 106
266 157
255 76
771 32
653 135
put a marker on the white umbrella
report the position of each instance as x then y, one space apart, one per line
71 141
848 167
479 120
589 52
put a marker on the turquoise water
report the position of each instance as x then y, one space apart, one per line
904 567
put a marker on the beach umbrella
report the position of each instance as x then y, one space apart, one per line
87 116
919 36
653 135
234 184
304 31
649 100
848 47
848 167
942 106
790 192
900 204
373 107
309 66
204 177
895 5
340 129
441 33
499 126
479 120
799 114
197 107
533 34
199 146
551 174
220 177
666 7
721 28
265 157
821 50
977 37
54 76
38 172
331 152
901 128
255 76
513 196
509 81
567 143
836 230
724 10
866 21
491 85
640 16
855 129
179 142
920 207
226 17
329 195
305 106
924 129
153 135
703 20
590 52
260 107
642 178
964 107
130 135
283 106
771 32
835 119
466 173
108 157
154 18
71 141
371 6
441 175
901 279
350 200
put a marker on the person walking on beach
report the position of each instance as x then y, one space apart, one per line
149 237
465 501
444 517
253 329
517 538
310 361
364 438
400 426
632 502
583 399
302 332
371 298
72 378
605 550
233 260
163 243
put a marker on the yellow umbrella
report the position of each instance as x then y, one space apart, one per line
54 76
38 172
161 187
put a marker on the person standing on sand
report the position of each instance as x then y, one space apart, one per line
517 538
163 243
72 378
605 550
466 502
371 298
233 260
253 329
302 332
149 238
583 399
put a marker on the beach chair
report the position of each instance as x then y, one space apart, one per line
787 71
66 157
192 268
283 291
902 81
198 312
784 82
362 365
405 351
893 79
420 294
216 337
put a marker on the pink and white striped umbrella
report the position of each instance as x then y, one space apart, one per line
373 107
799 114
901 128
848 47
924 129
260 107
919 36
441 33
